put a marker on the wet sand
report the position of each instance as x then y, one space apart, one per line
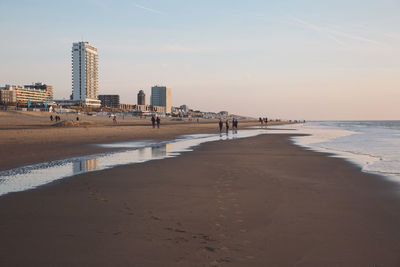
29 137
259 201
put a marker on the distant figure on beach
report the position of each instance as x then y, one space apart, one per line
158 122
266 120
221 124
51 117
235 124
227 125
261 120
115 119
153 121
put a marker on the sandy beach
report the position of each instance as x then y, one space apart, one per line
30 137
260 201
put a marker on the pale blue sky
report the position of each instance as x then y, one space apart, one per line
288 59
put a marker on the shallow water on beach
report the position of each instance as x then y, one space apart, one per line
29 177
373 145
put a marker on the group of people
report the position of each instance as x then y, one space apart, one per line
155 120
235 124
262 120
56 118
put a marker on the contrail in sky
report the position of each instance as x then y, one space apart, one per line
148 9
332 34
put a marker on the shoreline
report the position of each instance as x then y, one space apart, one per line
257 201
27 147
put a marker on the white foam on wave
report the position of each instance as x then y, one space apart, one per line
374 146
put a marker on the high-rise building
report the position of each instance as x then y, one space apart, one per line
141 98
85 74
161 96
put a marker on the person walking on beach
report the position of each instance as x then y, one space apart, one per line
153 121
158 122
260 120
235 124
227 125
266 120
221 124
115 119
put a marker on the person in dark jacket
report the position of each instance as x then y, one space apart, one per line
158 122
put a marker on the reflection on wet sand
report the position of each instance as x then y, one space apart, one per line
85 165
29 177
161 150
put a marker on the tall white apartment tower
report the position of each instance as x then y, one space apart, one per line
85 73
161 96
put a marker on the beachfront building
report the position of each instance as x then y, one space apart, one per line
35 93
127 107
148 110
85 74
8 97
141 98
109 101
161 96
185 108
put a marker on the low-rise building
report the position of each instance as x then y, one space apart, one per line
127 107
109 101
8 97
37 92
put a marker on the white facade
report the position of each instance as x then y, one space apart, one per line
161 96
84 72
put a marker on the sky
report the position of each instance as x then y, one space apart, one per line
311 59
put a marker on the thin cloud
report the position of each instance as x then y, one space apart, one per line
334 34
148 9
393 35
318 29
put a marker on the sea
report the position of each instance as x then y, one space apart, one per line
373 145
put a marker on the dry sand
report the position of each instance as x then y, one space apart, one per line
252 202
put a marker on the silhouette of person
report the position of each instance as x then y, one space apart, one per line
220 125
158 122
261 120
227 125
153 121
